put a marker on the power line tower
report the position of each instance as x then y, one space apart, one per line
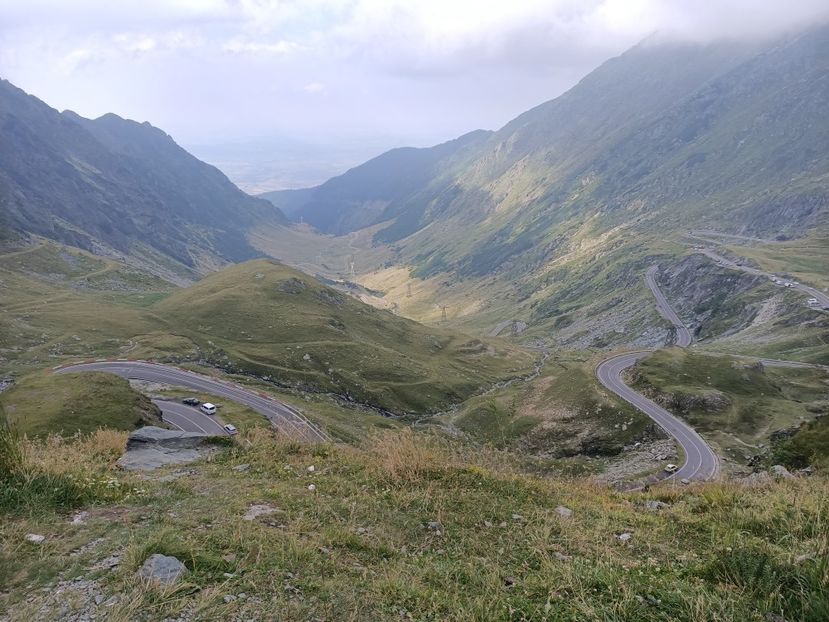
513 330
443 312
352 269
408 290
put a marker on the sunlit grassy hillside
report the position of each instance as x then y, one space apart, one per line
264 318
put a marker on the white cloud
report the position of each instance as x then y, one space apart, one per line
433 68
314 88
239 46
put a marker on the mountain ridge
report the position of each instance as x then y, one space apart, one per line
119 184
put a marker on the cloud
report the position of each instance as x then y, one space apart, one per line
421 71
314 88
74 60
238 46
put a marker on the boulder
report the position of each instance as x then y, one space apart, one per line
162 568
564 512
151 447
780 472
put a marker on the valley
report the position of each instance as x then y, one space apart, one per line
573 368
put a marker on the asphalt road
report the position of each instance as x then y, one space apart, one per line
822 298
683 335
189 418
281 416
701 462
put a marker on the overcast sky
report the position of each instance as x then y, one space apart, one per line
417 72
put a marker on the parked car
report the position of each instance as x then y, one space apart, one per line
191 401
208 409
671 468
231 429
812 301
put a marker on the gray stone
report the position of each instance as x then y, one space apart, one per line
561 557
79 518
563 511
259 509
151 447
241 467
780 472
162 568
434 526
35 538
625 537
652 504
685 481
160 437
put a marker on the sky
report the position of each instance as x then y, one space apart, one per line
346 76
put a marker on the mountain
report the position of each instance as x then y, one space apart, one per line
118 184
729 134
384 188
554 218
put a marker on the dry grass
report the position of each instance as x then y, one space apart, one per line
59 455
363 544
406 457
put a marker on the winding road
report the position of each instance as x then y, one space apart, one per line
821 297
683 335
281 416
701 462
189 418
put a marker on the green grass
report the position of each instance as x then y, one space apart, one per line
807 446
268 320
239 322
359 547
562 413
45 403
806 259
731 398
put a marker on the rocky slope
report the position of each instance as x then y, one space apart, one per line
115 184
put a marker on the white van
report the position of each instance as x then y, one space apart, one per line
208 409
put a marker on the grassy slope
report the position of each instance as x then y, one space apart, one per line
41 404
359 547
61 304
807 259
264 318
757 403
561 413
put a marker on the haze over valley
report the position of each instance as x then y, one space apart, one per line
374 311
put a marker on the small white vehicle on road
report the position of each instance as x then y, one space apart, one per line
208 409
671 468
231 429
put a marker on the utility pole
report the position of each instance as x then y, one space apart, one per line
514 328
408 290
352 269
443 314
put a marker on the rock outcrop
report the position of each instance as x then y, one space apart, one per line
150 447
